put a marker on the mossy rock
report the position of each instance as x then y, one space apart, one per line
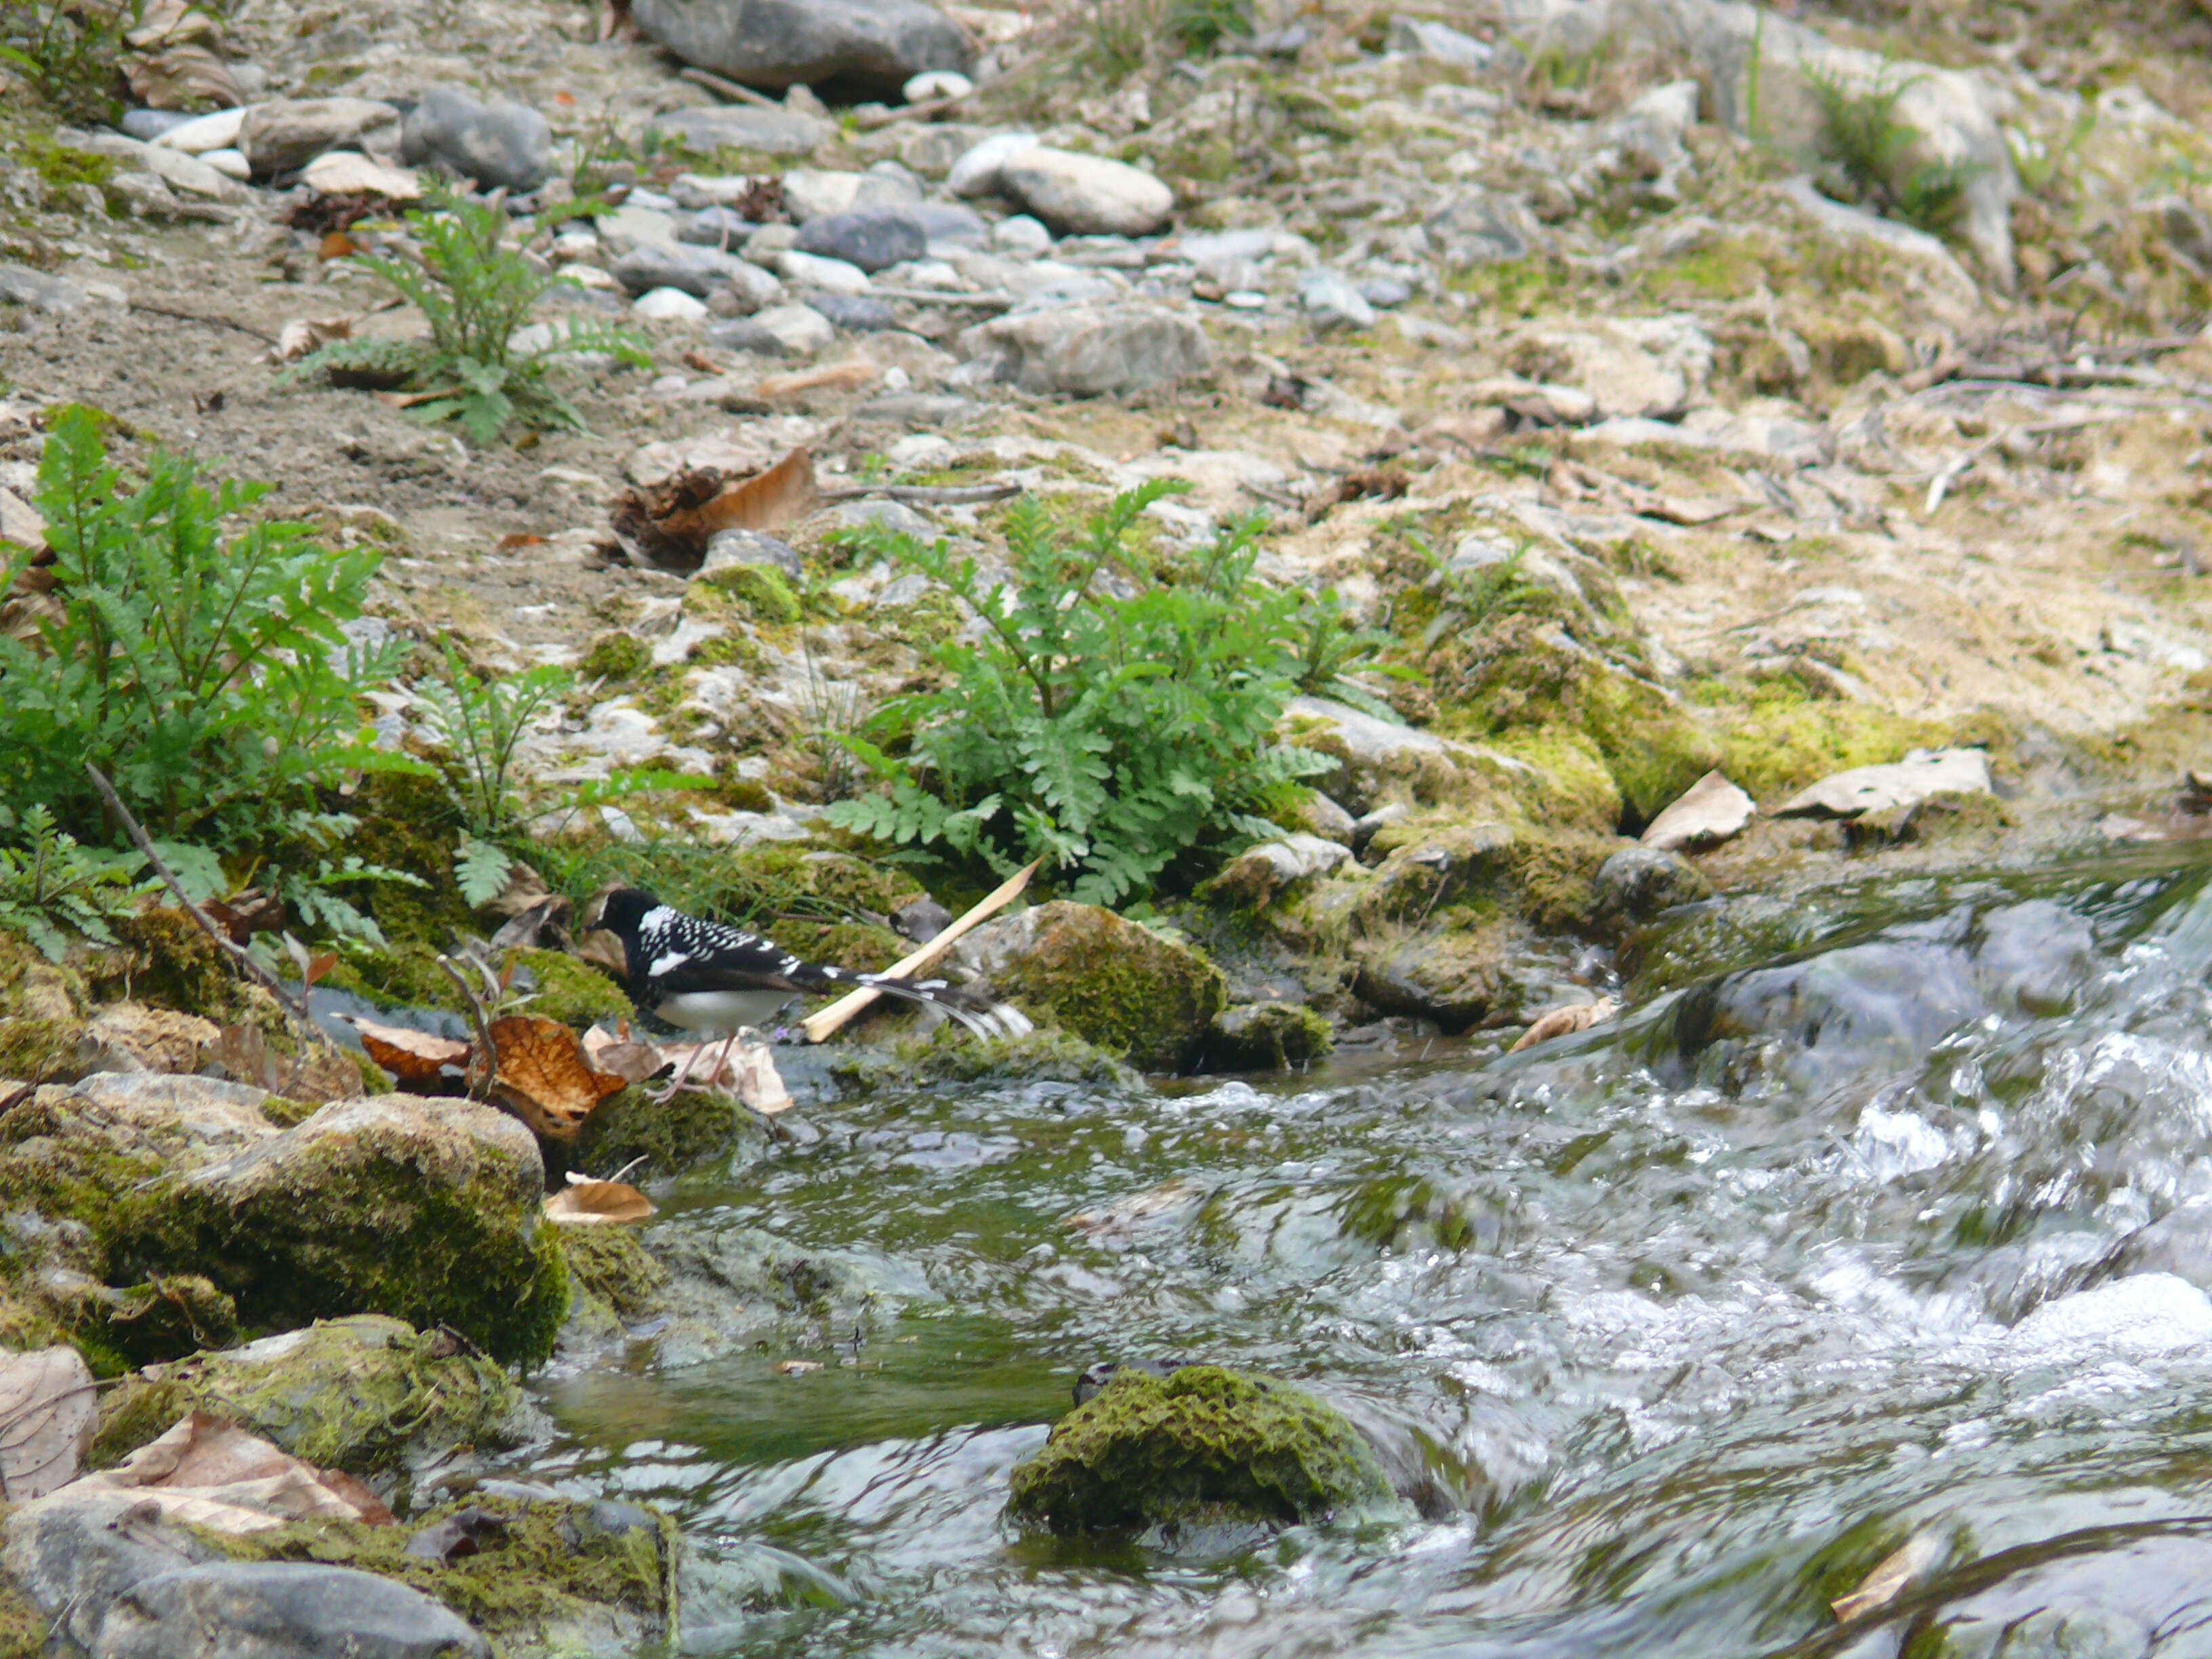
22 1627
692 1129
951 1055
544 1576
425 1210
1107 980
404 976
572 991
1267 1036
1202 1446
611 1263
408 823
616 656
362 1394
1784 742
1520 671
168 961
1454 971
761 591
33 1050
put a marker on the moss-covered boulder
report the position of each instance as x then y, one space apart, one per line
1201 1446
1454 971
1267 1036
1107 980
690 1130
363 1394
185 1194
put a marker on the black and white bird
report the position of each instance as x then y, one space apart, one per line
715 980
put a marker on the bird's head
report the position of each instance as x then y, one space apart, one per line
621 911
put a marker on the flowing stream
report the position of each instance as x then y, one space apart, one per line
1874 1221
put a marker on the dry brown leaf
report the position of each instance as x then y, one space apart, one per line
603 950
829 377
208 1472
770 501
47 1413
165 22
797 1367
668 524
619 1055
181 77
760 1085
1560 1021
410 1056
544 1074
1892 1575
596 1204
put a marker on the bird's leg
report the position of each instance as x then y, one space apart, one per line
682 1073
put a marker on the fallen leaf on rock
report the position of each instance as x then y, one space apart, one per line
181 77
1891 1576
543 1074
208 1472
797 1367
244 914
1561 1021
598 1204
749 1072
1710 810
304 334
410 1056
668 524
621 1055
829 377
47 1411
603 950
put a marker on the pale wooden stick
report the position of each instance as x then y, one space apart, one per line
820 1027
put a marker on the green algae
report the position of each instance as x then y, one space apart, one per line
758 591
1203 1445
616 656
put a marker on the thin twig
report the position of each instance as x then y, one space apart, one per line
727 89
239 958
153 310
485 1049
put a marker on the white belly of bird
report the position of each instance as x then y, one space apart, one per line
721 1013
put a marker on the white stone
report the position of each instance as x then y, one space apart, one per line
350 172
815 271
1086 349
1020 234
1332 300
204 133
231 163
1086 195
815 192
976 173
1710 810
1864 789
801 329
669 304
932 84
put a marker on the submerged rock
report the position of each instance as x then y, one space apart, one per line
1107 980
1267 1036
1202 1445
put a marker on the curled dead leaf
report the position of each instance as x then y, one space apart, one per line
543 1074
304 334
410 1056
668 525
1561 1021
619 1055
598 1204
797 1367
603 951
47 1411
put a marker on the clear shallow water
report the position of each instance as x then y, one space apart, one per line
1677 1328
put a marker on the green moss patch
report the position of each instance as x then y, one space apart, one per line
693 1129
1111 981
948 1055
611 1263
616 656
537 1564
758 590
1267 1036
357 1393
1203 1445
571 990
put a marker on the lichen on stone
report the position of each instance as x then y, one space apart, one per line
1202 1445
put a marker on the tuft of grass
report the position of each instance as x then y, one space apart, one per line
1866 152
69 53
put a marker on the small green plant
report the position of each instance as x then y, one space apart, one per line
53 892
1866 152
1108 721
475 292
481 723
199 659
69 53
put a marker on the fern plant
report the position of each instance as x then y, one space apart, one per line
206 669
475 292
53 892
1867 148
1107 720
